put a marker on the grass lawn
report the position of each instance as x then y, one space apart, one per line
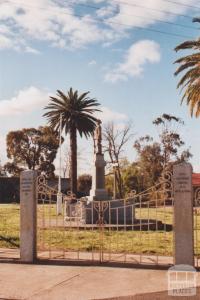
113 241
9 225
147 242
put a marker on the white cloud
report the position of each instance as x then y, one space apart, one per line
123 15
145 13
61 25
19 112
107 11
140 53
31 50
196 168
92 63
5 42
26 101
46 20
31 99
3 148
108 115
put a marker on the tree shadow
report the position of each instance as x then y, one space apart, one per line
13 241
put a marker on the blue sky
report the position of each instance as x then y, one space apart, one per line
47 45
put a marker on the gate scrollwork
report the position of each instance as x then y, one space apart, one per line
100 207
197 197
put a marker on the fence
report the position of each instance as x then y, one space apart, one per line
137 229
159 226
196 212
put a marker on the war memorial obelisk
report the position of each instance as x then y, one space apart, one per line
98 191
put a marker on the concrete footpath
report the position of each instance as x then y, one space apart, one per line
20 281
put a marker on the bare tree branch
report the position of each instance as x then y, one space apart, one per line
115 140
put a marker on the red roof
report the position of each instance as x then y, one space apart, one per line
196 179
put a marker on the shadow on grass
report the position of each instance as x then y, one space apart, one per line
162 295
12 241
88 263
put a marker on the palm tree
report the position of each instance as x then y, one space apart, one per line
191 79
77 115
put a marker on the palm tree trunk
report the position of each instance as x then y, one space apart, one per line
73 161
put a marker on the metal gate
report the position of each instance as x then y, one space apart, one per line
137 229
196 214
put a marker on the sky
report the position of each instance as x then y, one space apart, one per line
121 51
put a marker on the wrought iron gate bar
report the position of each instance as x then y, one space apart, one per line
122 230
196 212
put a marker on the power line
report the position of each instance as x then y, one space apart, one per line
182 4
169 1
154 9
131 15
105 22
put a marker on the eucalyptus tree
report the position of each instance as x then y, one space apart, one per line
33 149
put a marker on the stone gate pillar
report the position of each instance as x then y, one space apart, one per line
183 214
28 216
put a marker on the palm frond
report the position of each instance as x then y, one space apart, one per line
188 45
185 66
190 81
196 20
76 110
